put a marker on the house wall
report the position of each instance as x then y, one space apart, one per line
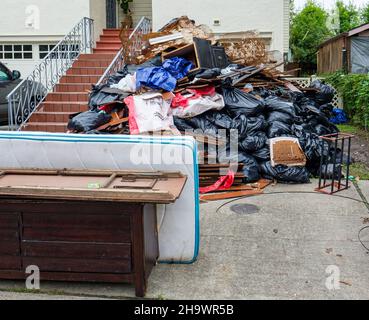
51 21
265 16
139 9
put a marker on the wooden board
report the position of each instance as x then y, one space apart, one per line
142 187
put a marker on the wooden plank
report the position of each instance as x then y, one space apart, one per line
9 220
230 195
9 234
79 265
76 250
10 263
9 248
81 221
76 235
73 277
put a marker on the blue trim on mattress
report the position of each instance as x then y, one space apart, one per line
132 139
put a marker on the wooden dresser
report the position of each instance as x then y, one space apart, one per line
69 239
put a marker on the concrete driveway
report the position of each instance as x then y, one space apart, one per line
289 243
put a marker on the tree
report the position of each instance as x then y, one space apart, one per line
349 16
365 14
308 30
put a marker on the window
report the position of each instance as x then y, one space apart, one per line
69 51
44 49
16 51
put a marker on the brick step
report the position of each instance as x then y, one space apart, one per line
109 46
92 63
111 32
41 116
67 96
97 56
70 79
46 127
110 38
75 87
106 50
86 71
70 107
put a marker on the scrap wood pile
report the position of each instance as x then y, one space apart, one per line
185 81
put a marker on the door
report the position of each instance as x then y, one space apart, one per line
111 14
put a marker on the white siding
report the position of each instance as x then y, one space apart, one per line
139 9
265 16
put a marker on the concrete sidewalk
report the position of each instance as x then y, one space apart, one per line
279 248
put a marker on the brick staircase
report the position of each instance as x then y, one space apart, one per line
71 94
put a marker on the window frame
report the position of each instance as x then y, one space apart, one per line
15 50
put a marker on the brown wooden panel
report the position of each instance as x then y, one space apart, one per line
10 263
76 235
9 248
9 220
78 277
9 235
83 221
79 265
76 250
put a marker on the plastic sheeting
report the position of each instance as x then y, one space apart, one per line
359 54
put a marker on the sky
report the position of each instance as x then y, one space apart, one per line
330 3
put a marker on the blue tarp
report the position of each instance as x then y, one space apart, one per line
164 77
339 116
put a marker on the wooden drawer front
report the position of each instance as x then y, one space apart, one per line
79 265
76 250
76 228
9 248
9 221
78 257
10 263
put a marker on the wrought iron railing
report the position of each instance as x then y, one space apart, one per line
129 51
31 92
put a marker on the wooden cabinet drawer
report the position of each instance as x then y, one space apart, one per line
79 265
10 262
9 220
76 228
76 250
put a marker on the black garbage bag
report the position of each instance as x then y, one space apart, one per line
119 75
262 155
102 95
331 169
327 109
238 102
244 125
280 116
200 123
208 73
250 168
88 121
154 62
278 129
325 92
285 174
253 142
274 103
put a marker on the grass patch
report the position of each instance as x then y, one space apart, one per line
348 128
359 170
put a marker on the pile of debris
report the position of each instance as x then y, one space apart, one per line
185 82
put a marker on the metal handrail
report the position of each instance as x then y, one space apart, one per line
24 100
130 50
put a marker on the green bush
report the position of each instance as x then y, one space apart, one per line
354 89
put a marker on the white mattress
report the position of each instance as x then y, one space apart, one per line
178 223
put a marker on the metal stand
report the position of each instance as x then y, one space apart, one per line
334 142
